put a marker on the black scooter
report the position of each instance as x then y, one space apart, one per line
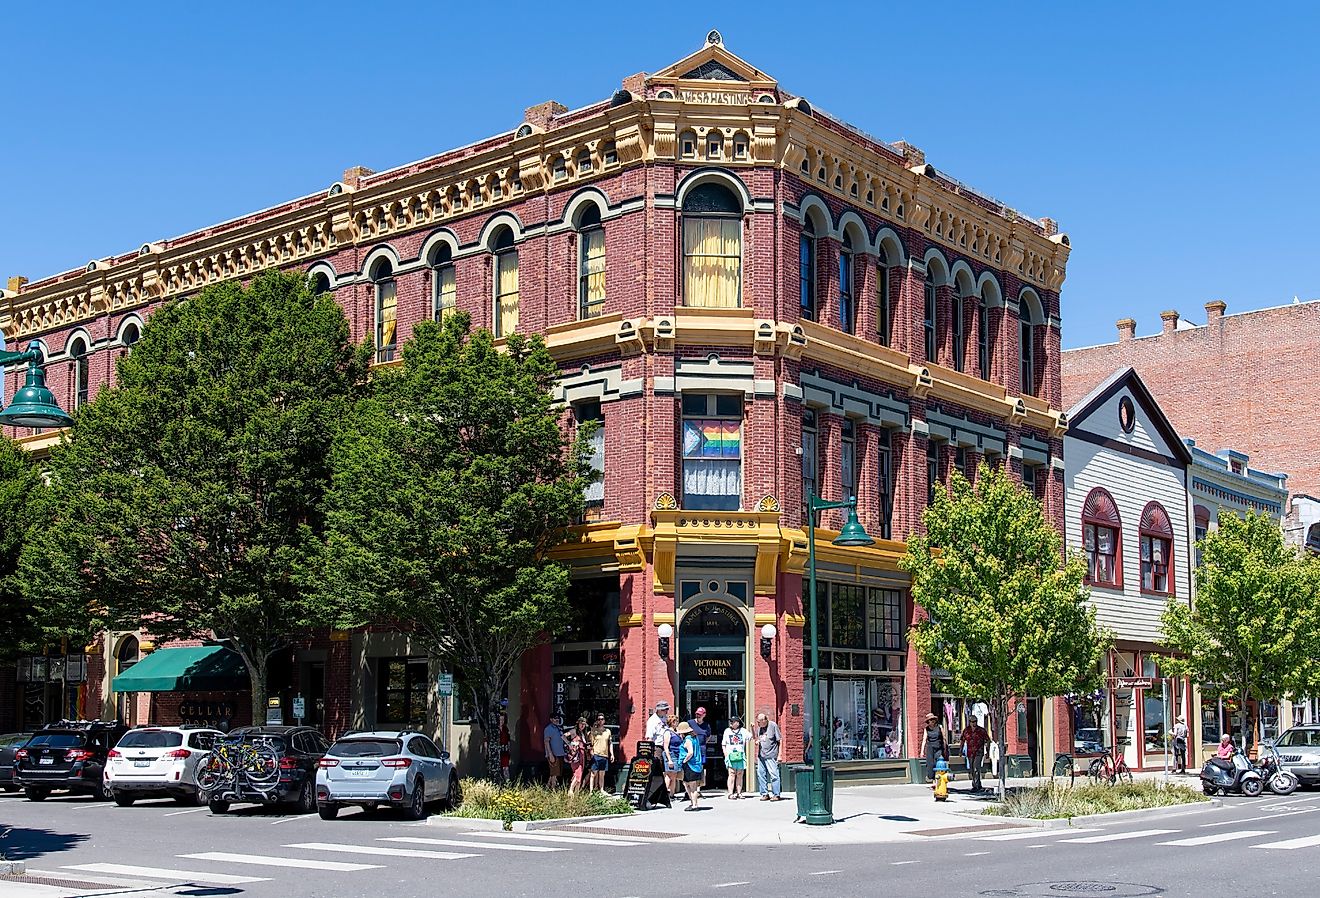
1236 775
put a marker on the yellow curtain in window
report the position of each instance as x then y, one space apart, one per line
506 293
712 250
593 272
386 313
446 292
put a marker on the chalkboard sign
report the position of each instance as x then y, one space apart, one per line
645 786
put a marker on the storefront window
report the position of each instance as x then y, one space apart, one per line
955 713
1269 720
401 691
585 653
1088 714
863 717
1156 702
1212 721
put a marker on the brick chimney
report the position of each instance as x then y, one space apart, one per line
539 116
1214 310
912 155
635 84
1127 329
1170 319
16 283
1049 226
353 176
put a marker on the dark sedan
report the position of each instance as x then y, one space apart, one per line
267 765
9 744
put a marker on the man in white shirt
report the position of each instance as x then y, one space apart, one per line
656 723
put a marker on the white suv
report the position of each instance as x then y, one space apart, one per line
152 762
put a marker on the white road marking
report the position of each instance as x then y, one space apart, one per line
900 863
1289 844
290 819
224 879
376 849
189 811
824 872
263 860
1034 834
727 885
975 853
459 843
1261 817
548 837
1115 837
1220 837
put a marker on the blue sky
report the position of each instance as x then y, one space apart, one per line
1175 143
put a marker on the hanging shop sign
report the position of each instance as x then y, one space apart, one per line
1133 683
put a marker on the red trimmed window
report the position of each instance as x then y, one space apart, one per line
1102 532
1156 550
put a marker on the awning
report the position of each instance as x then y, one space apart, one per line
201 668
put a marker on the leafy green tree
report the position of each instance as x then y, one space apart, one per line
190 495
1006 614
25 627
1253 631
453 481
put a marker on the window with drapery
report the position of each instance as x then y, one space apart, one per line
847 291
983 336
444 286
884 448
1156 550
883 311
81 372
591 263
930 318
387 310
807 270
1101 539
712 451
848 457
712 248
584 412
810 459
506 283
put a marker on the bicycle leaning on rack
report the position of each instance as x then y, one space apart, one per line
1109 768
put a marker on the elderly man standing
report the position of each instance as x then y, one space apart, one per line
768 740
655 725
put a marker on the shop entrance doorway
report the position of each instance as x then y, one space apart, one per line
712 651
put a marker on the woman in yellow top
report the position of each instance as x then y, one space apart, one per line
602 751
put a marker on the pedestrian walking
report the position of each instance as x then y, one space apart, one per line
1180 746
552 741
701 730
736 742
673 742
691 756
974 739
579 756
768 740
935 745
602 752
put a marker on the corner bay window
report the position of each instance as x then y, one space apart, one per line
1101 534
712 451
1156 550
506 283
591 263
712 248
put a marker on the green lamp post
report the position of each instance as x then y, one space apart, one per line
852 534
34 404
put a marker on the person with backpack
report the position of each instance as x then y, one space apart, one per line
692 759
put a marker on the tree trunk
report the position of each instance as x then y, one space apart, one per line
1001 736
257 667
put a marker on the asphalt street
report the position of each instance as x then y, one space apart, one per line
73 846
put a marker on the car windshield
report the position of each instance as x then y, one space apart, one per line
1300 738
57 740
151 739
366 748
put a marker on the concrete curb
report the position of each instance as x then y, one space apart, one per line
12 868
519 826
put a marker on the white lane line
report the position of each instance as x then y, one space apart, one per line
459 843
1261 817
824 872
1220 837
1115 837
900 863
376 849
262 860
1289 844
1034 834
290 819
222 879
547 837
189 811
727 885
975 853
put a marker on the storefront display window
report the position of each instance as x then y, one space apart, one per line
863 717
402 688
1088 719
585 653
1212 721
1156 705
1269 720
954 712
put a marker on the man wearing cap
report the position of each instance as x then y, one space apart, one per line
655 725
552 738
700 730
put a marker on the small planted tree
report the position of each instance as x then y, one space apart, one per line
451 483
1006 614
1254 630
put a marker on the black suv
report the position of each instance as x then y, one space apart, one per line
68 755
296 752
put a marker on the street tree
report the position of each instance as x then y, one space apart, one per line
25 627
1253 632
189 497
1005 612
452 482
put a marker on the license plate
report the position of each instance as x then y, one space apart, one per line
45 760
361 772
141 763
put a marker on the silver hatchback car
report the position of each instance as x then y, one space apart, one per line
1299 753
397 768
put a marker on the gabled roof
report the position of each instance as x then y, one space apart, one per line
1127 378
714 63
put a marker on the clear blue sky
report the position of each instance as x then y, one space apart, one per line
1177 147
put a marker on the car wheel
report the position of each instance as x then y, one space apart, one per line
217 806
123 799
36 794
306 802
100 792
454 795
416 808
328 811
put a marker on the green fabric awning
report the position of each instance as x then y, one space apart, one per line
201 668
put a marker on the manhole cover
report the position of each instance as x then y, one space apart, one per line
1076 887
1082 887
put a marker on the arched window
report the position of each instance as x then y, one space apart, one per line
506 282
1156 550
983 334
883 322
1102 536
81 372
959 331
930 319
807 269
387 311
320 283
444 285
129 336
1029 316
712 248
591 262
847 289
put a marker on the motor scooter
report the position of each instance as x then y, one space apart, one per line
1235 775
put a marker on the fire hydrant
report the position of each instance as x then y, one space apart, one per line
941 780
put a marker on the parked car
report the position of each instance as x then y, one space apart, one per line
10 743
397 768
1088 741
68 755
1299 753
156 761
265 765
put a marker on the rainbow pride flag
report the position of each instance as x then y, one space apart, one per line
712 439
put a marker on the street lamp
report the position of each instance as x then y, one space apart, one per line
852 534
34 404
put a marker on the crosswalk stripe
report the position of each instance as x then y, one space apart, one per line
262 860
1115 837
459 843
1220 837
1289 844
1034 834
549 837
222 879
376 849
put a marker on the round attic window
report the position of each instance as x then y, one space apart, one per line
1127 414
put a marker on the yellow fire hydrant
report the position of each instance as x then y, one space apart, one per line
941 780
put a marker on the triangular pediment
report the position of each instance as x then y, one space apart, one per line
714 70
713 63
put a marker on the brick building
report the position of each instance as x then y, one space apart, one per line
755 299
